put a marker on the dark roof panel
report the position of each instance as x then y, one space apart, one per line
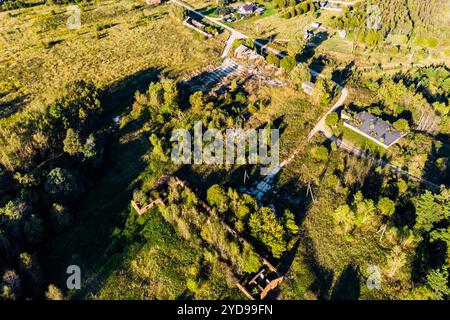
375 127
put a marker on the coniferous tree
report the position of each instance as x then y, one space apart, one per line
438 281
428 212
265 227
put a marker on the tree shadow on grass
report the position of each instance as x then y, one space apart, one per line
310 50
347 286
341 76
323 276
293 195
428 256
318 63
12 106
266 40
288 259
372 184
431 171
201 181
106 206
120 95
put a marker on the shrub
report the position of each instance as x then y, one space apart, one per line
53 293
401 125
288 63
273 59
63 184
216 197
332 119
320 153
250 260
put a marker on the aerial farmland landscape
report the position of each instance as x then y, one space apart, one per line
224 150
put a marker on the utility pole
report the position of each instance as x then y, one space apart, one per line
309 191
245 176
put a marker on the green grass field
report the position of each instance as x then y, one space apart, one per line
362 142
39 54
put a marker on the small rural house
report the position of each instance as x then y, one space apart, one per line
247 9
374 128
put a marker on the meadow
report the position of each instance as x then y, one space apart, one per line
39 54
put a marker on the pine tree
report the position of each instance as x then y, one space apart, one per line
197 101
72 144
289 222
344 219
265 227
155 95
428 212
438 281
216 197
386 207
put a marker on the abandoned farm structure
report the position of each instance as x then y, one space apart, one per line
254 287
244 52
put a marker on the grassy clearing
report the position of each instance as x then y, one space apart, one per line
117 39
272 24
291 108
160 266
301 279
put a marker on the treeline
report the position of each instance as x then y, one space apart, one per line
37 133
433 82
12 5
292 8
421 97
396 16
